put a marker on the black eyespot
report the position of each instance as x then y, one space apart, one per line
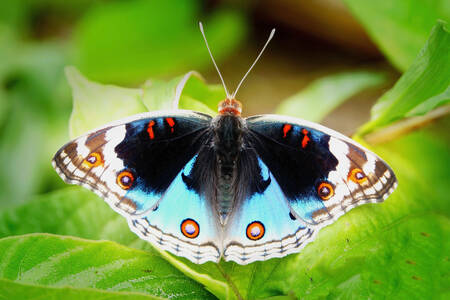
325 191
125 179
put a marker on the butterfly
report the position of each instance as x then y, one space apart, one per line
225 187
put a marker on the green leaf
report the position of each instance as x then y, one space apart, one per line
326 93
185 92
400 28
132 40
430 104
95 104
13 290
58 261
71 211
422 88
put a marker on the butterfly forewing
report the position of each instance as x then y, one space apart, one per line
322 173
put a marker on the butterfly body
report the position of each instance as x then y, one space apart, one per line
242 189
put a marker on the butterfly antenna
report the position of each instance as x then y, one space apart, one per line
212 58
254 63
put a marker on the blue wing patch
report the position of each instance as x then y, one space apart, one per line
264 226
306 207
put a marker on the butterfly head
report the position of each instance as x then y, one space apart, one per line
230 107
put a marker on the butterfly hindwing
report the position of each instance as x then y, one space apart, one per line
137 165
182 221
264 227
322 173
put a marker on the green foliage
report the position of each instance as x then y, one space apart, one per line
44 260
167 29
328 93
12 290
397 249
31 101
422 88
114 102
400 28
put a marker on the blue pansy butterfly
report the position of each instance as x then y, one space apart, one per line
241 189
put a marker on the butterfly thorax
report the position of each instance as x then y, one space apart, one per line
228 139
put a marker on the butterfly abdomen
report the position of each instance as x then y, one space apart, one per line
228 132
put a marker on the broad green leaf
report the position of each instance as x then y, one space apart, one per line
95 104
184 92
400 28
132 40
71 211
13 290
326 93
59 261
424 86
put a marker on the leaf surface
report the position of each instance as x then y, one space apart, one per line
59 261
325 94
400 28
423 87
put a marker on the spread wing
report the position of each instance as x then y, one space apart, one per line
138 166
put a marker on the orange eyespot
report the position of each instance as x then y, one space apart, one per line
93 160
125 180
357 176
190 228
255 230
325 191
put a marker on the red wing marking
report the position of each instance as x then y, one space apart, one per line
306 138
171 123
151 134
286 129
